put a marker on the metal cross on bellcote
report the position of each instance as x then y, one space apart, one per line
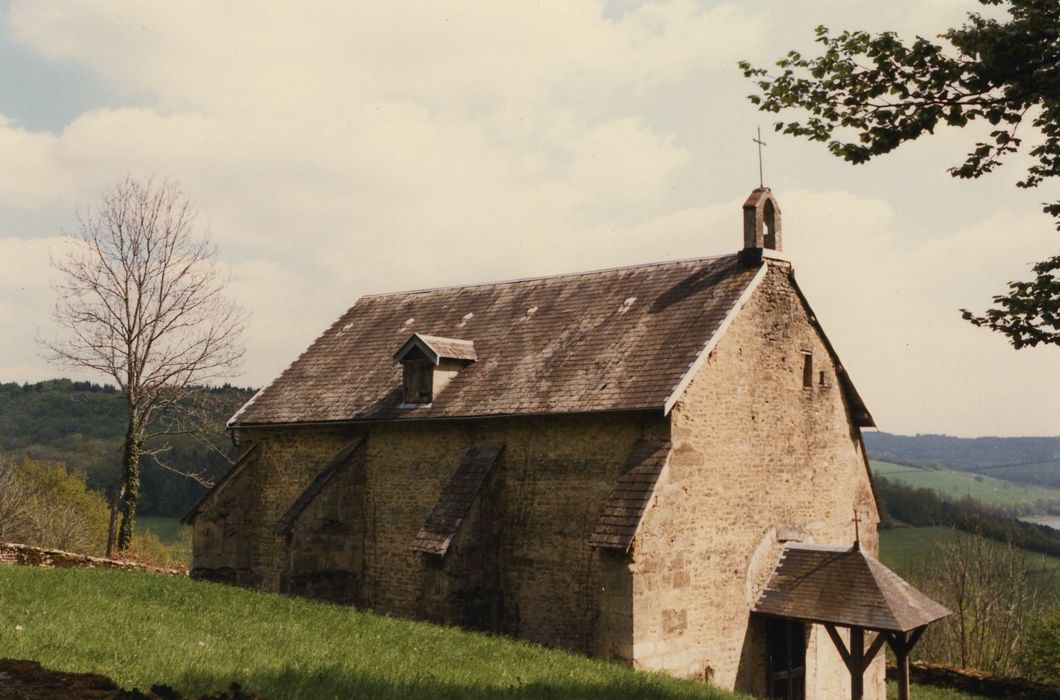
760 142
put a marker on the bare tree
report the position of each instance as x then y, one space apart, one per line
988 587
14 510
141 300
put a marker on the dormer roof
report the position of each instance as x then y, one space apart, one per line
436 348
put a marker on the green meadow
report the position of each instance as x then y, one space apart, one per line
167 530
198 637
910 550
953 485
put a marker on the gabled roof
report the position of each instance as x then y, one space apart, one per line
620 517
241 464
457 497
844 586
333 467
612 340
625 339
436 348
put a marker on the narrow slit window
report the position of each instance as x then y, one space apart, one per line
807 370
820 378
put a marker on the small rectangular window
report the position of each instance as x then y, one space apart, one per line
807 370
418 381
820 378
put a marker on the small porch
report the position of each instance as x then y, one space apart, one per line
843 587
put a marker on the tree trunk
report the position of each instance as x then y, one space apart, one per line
134 440
115 503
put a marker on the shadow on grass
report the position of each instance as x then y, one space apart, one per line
340 683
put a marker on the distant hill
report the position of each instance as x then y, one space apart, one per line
1032 460
82 424
1017 497
955 485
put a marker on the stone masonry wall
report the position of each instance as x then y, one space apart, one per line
249 552
541 503
758 459
325 545
27 555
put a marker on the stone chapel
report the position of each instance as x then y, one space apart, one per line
656 464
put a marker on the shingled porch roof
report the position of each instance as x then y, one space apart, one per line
844 586
623 339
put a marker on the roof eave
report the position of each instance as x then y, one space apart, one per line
859 412
466 417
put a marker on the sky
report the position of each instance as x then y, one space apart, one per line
334 149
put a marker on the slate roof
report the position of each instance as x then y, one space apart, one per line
456 499
611 340
844 586
618 520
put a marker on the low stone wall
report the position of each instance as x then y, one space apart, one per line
977 682
26 555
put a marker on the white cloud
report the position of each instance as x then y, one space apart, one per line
25 306
345 148
891 302
277 55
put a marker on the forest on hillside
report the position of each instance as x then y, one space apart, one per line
81 425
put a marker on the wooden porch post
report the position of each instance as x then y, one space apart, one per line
901 644
857 655
857 658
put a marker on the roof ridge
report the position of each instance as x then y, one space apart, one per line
561 275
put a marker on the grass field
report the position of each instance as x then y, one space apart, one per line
953 485
910 550
1044 473
142 629
926 692
173 545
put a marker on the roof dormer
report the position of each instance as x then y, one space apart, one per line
430 362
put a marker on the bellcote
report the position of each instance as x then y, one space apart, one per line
761 221
429 363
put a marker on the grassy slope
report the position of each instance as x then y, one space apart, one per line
1034 460
1046 473
142 629
909 550
953 484
926 692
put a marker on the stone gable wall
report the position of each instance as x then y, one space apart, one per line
757 459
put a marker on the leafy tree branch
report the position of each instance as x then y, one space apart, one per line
866 94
